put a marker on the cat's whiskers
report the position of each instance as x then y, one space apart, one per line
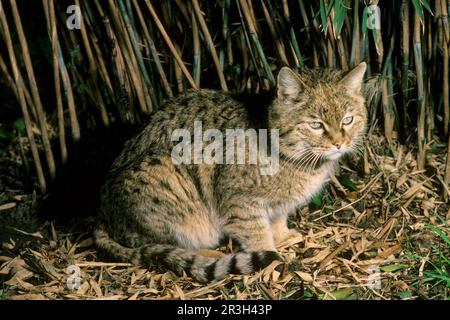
314 162
294 160
289 161
319 158
305 161
297 157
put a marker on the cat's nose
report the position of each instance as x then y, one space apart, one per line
338 145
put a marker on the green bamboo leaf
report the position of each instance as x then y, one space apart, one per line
317 200
427 6
6 134
342 294
323 15
19 124
393 267
418 8
434 276
365 15
441 234
340 11
404 294
347 182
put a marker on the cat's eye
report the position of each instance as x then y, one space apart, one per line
347 120
316 125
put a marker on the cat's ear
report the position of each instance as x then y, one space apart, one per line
354 79
289 84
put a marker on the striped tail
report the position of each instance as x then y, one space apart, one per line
200 267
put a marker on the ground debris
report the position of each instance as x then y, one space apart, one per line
375 242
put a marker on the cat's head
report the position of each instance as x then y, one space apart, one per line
321 115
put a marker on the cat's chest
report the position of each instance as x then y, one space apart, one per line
299 191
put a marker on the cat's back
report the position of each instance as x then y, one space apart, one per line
204 109
211 107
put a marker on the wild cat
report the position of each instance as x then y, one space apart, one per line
162 215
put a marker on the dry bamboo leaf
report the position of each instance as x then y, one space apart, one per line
291 241
412 191
321 234
53 232
275 275
113 297
371 262
180 293
314 245
267 291
86 243
267 271
103 264
137 276
390 251
29 296
304 276
318 257
401 180
17 270
40 265
7 206
53 289
23 284
34 234
94 285
134 296
334 254
85 286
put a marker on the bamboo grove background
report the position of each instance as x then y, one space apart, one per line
130 55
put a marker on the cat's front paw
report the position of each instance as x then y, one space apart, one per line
290 237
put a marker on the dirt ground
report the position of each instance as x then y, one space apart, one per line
380 235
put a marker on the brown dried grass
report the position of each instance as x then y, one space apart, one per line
383 224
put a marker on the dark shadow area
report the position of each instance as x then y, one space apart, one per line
75 193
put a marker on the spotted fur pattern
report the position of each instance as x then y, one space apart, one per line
162 215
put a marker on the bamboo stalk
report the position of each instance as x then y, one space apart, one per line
197 52
279 45
67 84
446 106
245 44
51 22
87 46
178 73
254 36
98 53
305 19
210 43
153 50
20 85
252 15
339 45
34 91
123 97
139 68
245 41
445 91
294 42
405 45
129 58
93 70
170 44
355 57
421 155
330 54
10 81
444 43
